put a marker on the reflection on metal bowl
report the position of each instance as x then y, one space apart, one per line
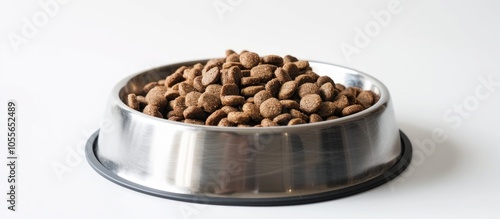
250 166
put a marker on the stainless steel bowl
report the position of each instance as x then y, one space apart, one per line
250 166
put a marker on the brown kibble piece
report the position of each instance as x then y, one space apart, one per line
198 66
192 98
229 89
327 108
302 65
245 73
268 123
315 118
225 122
308 88
273 60
249 59
298 114
251 90
287 90
264 72
208 102
228 109
289 58
155 96
238 117
354 90
273 86
185 88
211 76
192 73
243 126
366 98
310 103
214 118
172 113
149 86
175 118
198 85
289 104
179 101
332 117
232 100
194 112
250 99
214 89
247 81
292 70
152 110
173 79
349 110
349 96
231 76
177 111
340 103
171 94
185 73
282 75
296 121
132 102
270 108
142 100
194 121
313 75
302 79
233 57
180 69
221 60
212 63
230 52
339 87
209 66
161 82
282 119
227 65
327 91
261 96
323 80
253 111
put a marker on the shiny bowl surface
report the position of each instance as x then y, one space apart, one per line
226 165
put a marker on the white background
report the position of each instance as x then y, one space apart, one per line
432 55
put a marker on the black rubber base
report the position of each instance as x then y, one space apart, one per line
390 174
